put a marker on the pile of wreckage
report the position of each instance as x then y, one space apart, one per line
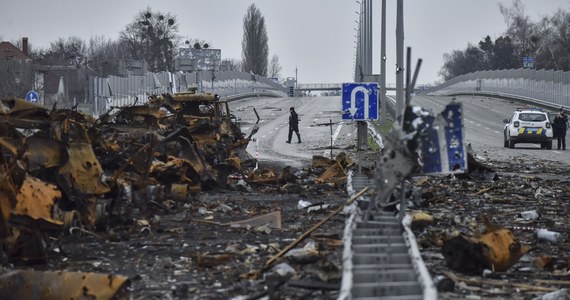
63 171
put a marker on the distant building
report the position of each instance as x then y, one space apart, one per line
64 84
17 72
10 52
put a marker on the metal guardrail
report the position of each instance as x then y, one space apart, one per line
115 91
381 258
268 94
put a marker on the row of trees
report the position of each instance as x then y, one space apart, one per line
154 37
547 41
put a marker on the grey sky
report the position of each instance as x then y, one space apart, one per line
316 36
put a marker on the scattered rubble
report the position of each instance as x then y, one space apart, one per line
73 186
166 195
492 236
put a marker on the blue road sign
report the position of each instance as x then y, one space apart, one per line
32 96
442 146
528 62
360 101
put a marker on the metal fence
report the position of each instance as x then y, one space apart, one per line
547 87
115 91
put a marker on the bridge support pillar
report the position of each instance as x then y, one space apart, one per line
362 136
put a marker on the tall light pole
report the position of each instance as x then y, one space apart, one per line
383 65
358 69
400 60
368 37
364 63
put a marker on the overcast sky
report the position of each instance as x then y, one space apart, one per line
315 36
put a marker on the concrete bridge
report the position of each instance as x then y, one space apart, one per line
312 87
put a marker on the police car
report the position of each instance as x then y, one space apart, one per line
528 125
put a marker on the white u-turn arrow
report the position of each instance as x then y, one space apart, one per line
353 108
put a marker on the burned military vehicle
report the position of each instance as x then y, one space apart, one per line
61 169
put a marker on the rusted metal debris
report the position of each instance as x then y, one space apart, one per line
61 285
62 169
336 170
65 172
496 249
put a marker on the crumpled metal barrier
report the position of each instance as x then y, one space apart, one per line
27 284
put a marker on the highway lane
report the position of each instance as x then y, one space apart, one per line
274 128
484 127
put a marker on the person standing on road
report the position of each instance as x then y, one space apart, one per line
293 125
560 125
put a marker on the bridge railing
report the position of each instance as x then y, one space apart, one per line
115 91
546 87
331 86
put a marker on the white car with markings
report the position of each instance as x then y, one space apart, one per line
528 126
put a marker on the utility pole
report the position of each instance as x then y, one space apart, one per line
366 61
400 59
295 84
383 65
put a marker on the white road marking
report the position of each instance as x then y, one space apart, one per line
495 131
487 128
557 152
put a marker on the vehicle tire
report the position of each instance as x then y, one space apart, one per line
549 145
506 143
511 144
542 145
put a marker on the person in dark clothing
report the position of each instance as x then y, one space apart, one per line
559 125
293 125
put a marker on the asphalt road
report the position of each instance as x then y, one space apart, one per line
483 117
274 128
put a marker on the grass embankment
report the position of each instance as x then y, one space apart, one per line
384 129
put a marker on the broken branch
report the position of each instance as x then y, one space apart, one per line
456 278
308 232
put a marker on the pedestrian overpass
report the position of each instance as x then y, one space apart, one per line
312 87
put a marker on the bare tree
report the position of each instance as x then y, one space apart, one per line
274 67
196 43
462 62
153 36
231 64
523 33
64 51
103 55
555 54
255 49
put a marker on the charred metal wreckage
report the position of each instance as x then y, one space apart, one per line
61 170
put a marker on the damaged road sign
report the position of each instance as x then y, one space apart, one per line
360 101
438 139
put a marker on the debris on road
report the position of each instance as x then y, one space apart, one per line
47 285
